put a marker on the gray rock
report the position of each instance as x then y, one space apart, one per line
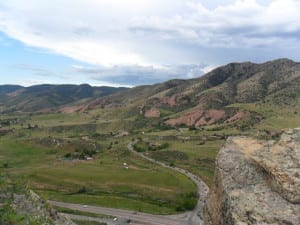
31 204
257 182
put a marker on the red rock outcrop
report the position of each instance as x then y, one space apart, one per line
198 118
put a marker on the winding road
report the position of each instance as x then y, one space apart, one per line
191 217
188 218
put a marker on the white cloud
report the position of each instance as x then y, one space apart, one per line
141 36
132 75
86 30
244 23
31 82
209 68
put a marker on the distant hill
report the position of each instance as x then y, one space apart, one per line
205 100
214 98
6 89
48 97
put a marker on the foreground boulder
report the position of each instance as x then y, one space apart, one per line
257 182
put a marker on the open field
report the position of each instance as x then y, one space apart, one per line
189 154
102 181
47 156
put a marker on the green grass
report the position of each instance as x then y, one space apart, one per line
80 222
20 155
276 117
198 159
81 213
106 182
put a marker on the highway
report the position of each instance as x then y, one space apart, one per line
137 218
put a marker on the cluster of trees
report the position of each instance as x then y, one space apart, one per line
147 146
83 152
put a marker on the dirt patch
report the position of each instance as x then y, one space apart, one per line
152 113
198 118
169 101
71 109
235 117
176 100
189 119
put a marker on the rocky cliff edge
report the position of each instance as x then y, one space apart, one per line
257 182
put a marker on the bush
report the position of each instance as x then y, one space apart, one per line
81 156
82 190
138 148
179 209
190 201
68 155
164 145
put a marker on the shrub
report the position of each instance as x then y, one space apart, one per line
82 190
164 145
68 155
139 148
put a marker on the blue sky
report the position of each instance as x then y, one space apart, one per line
134 42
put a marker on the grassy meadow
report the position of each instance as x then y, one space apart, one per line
104 180
49 156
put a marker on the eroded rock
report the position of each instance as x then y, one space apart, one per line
32 204
257 182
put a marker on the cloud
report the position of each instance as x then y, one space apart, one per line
240 24
131 41
31 82
36 70
133 75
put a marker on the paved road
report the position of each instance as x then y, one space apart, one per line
192 217
137 218
87 218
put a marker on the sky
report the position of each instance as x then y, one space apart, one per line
136 42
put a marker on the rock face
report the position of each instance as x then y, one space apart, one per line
152 113
198 118
257 182
149 113
33 205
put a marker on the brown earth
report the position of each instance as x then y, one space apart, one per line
198 118
152 113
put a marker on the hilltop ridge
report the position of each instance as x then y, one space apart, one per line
213 98
48 97
209 99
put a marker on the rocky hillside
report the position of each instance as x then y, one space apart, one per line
32 205
205 100
20 206
257 182
48 97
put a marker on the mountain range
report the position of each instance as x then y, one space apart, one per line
211 97
205 100
48 97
